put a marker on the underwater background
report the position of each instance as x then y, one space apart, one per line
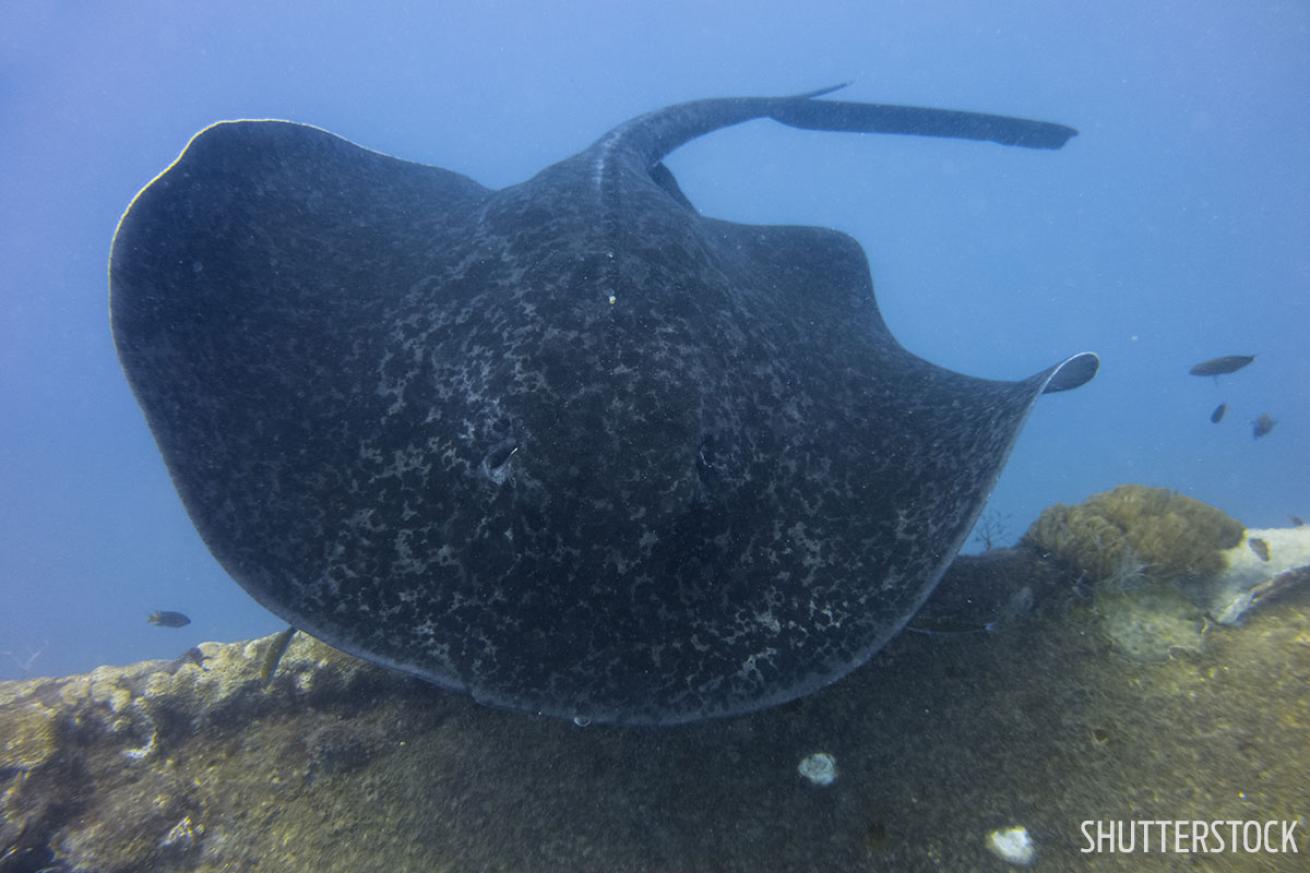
1138 655
1171 230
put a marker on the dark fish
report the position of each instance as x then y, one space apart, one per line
1218 414
1263 425
1297 521
192 655
1260 547
168 619
1220 366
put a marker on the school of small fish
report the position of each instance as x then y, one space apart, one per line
1222 366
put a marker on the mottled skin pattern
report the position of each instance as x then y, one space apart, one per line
568 446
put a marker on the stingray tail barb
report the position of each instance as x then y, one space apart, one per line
656 134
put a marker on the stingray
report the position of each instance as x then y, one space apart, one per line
569 446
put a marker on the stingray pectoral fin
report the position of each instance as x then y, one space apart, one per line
249 286
1072 372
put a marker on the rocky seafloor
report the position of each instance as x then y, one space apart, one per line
1042 690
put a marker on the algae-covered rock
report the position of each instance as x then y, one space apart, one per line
1150 623
990 592
1150 557
27 734
1263 566
109 770
1176 538
319 763
1162 566
939 742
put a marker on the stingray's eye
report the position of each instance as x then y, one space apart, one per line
496 465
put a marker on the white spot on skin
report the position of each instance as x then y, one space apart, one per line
749 669
903 527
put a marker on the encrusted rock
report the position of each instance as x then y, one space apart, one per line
27 732
1265 564
328 765
1162 567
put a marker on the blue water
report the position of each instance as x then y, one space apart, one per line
1173 229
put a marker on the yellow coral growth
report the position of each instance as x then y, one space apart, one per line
1115 533
28 736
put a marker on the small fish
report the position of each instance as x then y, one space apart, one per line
164 618
1220 366
273 655
190 656
1297 521
1260 547
1262 425
1218 414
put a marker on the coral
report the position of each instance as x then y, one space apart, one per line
118 760
1152 556
27 735
1133 530
1163 566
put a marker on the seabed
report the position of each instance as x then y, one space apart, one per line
1050 719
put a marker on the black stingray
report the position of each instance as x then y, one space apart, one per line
569 446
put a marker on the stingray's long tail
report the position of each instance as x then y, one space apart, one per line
654 135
